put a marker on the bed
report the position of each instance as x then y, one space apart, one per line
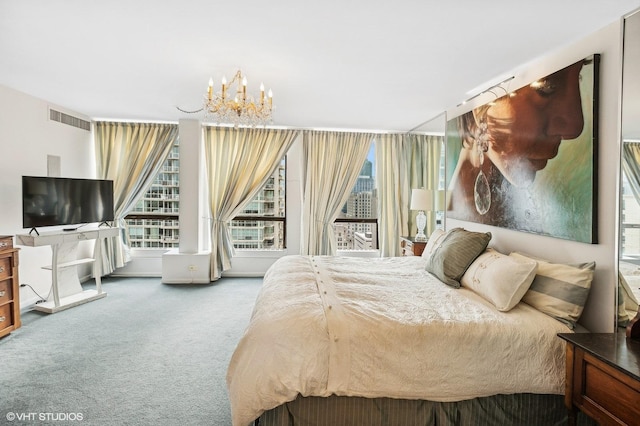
339 340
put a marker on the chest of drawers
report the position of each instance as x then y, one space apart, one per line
603 377
9 291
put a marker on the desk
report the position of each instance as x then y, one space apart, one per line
603 377
65 284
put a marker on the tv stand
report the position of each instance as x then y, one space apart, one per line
65 284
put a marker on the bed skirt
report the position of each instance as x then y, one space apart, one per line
516 409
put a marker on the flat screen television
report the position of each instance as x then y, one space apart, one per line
54 201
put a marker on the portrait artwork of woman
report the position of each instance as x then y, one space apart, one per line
526 161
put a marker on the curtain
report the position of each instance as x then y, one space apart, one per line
394 194
404 162
631 166
130 154
239 162
424 172
331 164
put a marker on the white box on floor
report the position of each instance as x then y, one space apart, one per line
185 268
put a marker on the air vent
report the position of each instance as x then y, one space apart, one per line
69 120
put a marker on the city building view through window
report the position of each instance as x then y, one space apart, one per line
153 223
357 226
261 225
630 222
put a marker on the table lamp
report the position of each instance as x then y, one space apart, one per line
421 199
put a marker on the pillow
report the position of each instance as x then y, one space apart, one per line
454 254
560 290
433 242
500 279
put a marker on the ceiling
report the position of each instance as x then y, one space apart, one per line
357 64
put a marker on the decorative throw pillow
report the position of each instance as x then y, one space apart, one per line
500 279
560 290
458 249
434 242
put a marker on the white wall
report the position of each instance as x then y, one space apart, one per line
26 138
599 313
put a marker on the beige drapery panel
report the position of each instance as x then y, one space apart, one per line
331 164
130 154
403 162
424 172
394 194
239 161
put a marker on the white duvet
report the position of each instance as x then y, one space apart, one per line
385 327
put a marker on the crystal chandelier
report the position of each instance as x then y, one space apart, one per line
239 109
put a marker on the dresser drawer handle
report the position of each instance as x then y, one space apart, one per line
2 293
3 244
2 319
1 269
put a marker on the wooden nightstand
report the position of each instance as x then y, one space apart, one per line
411 247
603 377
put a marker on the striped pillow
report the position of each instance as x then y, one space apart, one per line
560 290
457 250
433 243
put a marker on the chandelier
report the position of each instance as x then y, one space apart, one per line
224 106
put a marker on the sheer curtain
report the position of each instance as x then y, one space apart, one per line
331 164
130 154
239 161
403 162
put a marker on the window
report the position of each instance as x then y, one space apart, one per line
630 241
356 228
262 224
153 223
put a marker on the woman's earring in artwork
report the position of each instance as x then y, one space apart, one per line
481 190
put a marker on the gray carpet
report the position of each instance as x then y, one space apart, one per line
147 354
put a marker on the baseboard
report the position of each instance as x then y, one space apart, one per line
135 275
28 304
243 274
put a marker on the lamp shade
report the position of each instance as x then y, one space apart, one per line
421 199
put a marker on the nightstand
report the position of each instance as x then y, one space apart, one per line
603 377
411 247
